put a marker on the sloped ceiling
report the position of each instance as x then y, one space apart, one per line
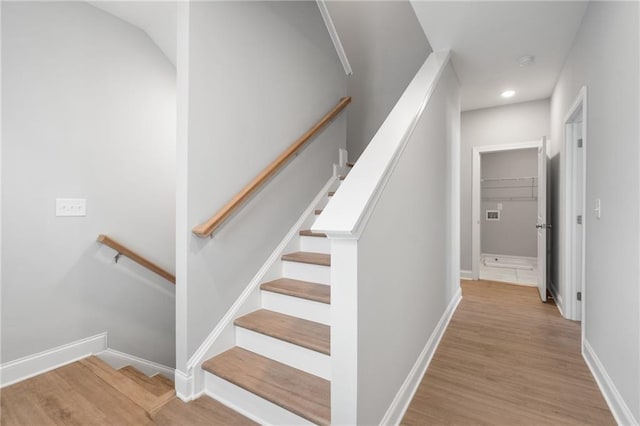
157 18
488 38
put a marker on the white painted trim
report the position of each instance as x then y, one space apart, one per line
346 215
50 359
466 275
117 360
249 404
475 194
344 339
557 297
227 321
405 394
617 405
182 231
290 354
184 384
335 38
567 260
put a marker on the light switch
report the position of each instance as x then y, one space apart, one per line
598 208
71 206
499 207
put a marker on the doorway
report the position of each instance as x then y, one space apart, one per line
575 145
509 229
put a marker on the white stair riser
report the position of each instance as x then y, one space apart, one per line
297 307
315 244
249 404
306 272
287 353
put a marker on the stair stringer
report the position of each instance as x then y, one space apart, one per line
222 338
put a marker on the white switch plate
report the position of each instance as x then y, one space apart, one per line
598 208
499 207
71 207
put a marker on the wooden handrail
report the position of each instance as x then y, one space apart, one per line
207 228
123 251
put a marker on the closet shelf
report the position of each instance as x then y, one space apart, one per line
517 188
510 199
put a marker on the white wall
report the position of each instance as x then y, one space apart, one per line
88 110
386 46
520 122
605 58
404 256
260 75
515 233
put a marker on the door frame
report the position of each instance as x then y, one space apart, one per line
476 214
577 110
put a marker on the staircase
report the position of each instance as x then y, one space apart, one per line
149 393
280 371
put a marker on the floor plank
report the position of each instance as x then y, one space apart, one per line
74 395
507 358
202 411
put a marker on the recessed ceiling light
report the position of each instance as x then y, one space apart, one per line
508 93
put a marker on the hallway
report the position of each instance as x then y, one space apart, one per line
507 358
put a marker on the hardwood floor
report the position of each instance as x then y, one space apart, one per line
74 395
505 359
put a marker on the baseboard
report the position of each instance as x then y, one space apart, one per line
117 359
556 297
184 384
618 407
32 365
403 398
466 275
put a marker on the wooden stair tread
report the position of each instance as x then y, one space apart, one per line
318 211
157 385
343 177
302 289
349 164
297 391
310 233
308 257
149 402
301 332
331 193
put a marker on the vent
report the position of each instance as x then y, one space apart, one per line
492 215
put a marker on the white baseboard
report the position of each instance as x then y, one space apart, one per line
249 404
403 398
117 359
466 275
184 384
618 407
32 365
556 297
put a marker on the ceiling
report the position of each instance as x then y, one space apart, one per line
156 18
487 39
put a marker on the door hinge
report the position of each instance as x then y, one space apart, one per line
579 219
579 296
580 143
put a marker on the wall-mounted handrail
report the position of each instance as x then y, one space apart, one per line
207 228
124 251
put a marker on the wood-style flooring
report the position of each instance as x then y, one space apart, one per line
74 395
508 359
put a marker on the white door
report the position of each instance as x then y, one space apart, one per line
541 225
